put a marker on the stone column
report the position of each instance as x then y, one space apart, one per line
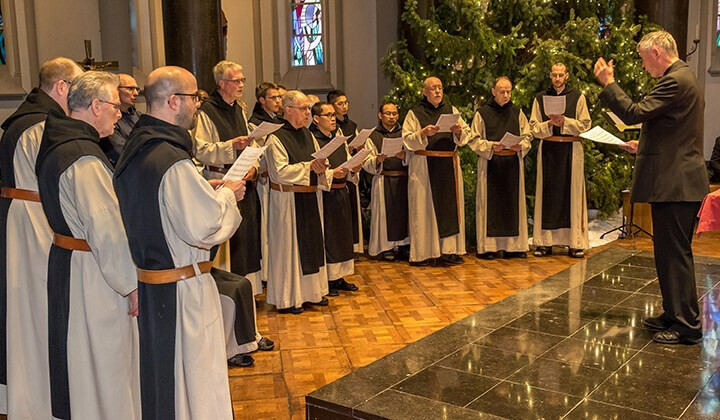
671 15
193 37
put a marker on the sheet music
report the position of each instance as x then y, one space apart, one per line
445 121
600 135
329 148
391 146
510 139
356 160
620 124
554 105
264 129
243 163
359 140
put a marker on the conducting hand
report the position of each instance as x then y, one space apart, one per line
133 298
604 71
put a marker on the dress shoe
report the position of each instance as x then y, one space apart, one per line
452 259
265 344
333 291
486 256
515 254
542 251
403 252
674 337
241 360
656 324
343 285
423 263
323 302
388 256
293 310
576 253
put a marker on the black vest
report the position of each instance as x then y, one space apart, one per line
395 187
259 115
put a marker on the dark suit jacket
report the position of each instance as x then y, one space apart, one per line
670 165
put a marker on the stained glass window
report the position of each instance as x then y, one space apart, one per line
717 40
2 39
307 40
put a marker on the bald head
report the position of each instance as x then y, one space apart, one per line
170 95
58 69
433 90
502 91
128 90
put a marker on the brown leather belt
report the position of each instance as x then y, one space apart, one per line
68 242
293 188
393 173
217 169
505 153
563 139
19 194
172 275
436 153
338 186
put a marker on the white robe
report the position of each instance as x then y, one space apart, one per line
378 216
483 147
425 242
287 286
102 343
28 247
576 236
202 389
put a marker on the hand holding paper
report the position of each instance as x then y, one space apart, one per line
329 148
356 160
359 140
243 163
391 146
554 105
264 129
599 135
446 121
510 139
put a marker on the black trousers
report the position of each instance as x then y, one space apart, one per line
673 224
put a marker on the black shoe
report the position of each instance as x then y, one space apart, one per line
388 256
486 256
576 253
423 263
264 284
515 254
656 324
542 251
343 285
333 292
674 337
293 310
265 344
403 253
452 259
323 302
241 360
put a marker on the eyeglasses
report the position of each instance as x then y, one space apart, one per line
390 114
236 81
341 103
130 88
330 115
274 97
114 105
301 108
198 96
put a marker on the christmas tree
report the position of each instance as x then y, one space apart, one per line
468 43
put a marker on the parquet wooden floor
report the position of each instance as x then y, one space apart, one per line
396 305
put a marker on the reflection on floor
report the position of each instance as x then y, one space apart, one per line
571 347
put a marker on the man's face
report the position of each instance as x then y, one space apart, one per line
109 114
282 95
272 101
389 115
326 121
433 91
341 106
298 114
559 76
232 84
128 91
186 116
651 62
502 92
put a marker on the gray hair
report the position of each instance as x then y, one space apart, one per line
57 69
660 39
90 86
292 97
222 68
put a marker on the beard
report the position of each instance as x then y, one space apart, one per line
187 117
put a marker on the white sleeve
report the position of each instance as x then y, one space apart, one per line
207 147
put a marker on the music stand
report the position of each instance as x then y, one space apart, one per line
626 229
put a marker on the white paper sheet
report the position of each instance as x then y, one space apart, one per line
359 140
510 139
620 124
391 146
329 148
264 129
243 163
599 135
554 105
356 160
445 121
